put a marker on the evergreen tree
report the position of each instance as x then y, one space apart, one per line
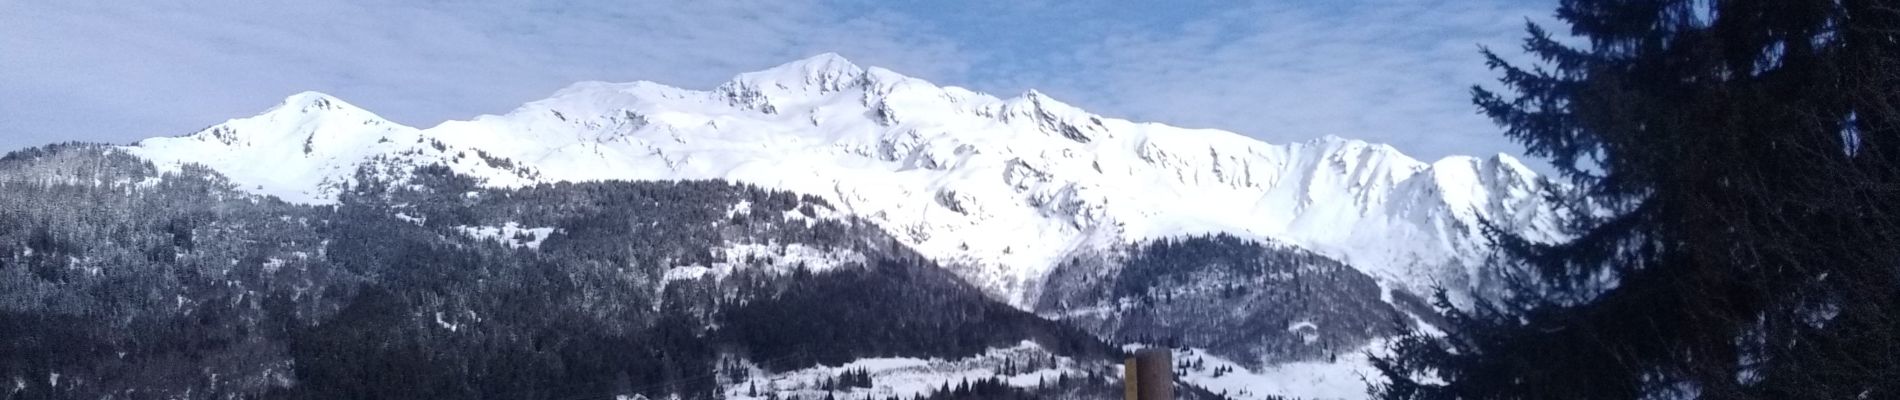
1736 210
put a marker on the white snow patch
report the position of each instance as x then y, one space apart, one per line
689 272
907 377
452 327
1309 333
770 257
743 207
411 219
1297 326
510 234
1346 377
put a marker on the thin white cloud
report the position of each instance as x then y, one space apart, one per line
1392 71
1395 71
119 71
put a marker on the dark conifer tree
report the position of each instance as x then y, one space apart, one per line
1736 210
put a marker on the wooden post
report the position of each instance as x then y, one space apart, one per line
1149 375
1131 382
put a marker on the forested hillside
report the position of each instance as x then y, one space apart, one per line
1256 302
117 280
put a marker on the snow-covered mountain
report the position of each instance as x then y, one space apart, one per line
1001 189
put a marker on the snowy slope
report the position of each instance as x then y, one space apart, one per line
1346 376
1000 188
910 377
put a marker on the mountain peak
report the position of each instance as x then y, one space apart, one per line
1511 163
1035 102
313 102
304 119
309 108
825 72
961 175
827 60
1343 146
768 89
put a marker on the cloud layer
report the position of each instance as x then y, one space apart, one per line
1383 70
118 71
1395 71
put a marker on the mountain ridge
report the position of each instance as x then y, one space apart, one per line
998 189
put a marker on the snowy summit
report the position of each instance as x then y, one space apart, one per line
1000 189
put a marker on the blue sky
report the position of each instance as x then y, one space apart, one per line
1393 71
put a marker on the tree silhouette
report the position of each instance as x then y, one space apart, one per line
1736 210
